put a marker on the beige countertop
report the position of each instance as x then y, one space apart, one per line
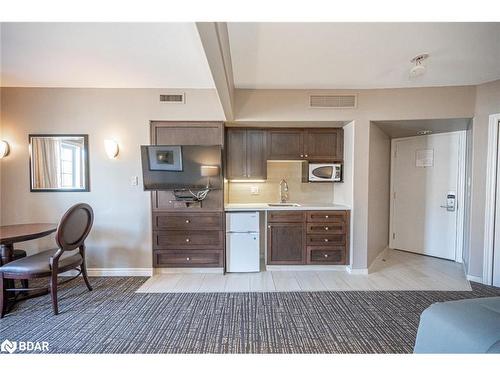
268 207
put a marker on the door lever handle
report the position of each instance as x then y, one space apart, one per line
450 208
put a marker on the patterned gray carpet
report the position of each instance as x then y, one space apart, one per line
114 319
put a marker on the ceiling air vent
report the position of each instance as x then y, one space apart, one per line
332 101
172 98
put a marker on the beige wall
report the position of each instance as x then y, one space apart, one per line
487 103
379 192
299 192
373 105
121 236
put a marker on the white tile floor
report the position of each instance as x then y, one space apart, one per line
395 270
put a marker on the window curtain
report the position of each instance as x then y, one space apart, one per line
46 163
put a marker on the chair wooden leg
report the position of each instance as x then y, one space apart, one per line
3 297
85 276
53 292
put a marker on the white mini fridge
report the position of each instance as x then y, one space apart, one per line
242 242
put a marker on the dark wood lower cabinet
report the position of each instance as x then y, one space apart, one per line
188 258
285 243
182 239
188 239
326 255
307 237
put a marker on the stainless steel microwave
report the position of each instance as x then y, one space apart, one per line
325 172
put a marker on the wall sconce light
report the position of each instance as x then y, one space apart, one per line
111 148
4 149
209 171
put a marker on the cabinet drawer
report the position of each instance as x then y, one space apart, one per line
199 239
326 228
326 255
326 240
326 216
188 221
188 258
286 216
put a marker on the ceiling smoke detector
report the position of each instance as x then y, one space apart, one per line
424 132
419 68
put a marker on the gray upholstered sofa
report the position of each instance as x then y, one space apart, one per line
465 326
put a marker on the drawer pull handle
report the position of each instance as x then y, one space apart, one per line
188 221
187 240
326 228
326 255
326 216
326 239
188 258
306 155
269 226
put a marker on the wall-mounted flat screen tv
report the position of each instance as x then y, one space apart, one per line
168 167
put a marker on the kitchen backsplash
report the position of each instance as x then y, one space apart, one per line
268 191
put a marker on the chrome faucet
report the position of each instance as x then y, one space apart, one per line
283 190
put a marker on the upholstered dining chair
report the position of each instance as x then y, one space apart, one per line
18 254
72 231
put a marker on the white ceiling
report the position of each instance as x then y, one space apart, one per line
362 55
118 55
409 128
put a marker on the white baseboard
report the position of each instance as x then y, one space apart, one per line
356 271
159 271
93 272
120 271
476 279
310 267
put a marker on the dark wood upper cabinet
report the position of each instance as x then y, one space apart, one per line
324 144
305 144
256 154
285 144
236 146
246 154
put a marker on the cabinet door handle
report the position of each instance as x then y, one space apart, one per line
301 155
326 228
188 221
269 226
306 155
326 216
187 240
326 255
326 239
188 258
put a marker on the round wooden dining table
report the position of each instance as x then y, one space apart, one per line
11 234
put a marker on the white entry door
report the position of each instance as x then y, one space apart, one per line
426 187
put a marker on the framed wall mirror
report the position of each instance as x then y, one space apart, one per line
59 162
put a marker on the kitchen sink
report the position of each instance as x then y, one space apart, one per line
283 205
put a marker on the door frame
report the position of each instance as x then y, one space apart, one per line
459 237
490 203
